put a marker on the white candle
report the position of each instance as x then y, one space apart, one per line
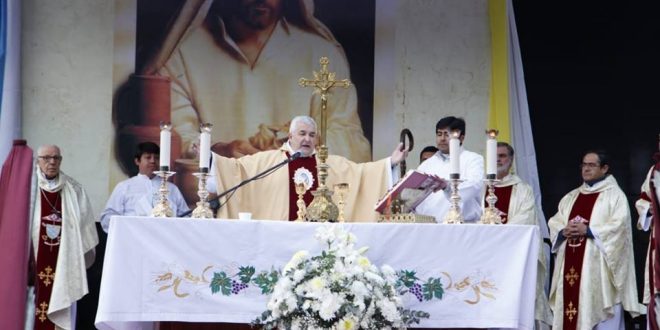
491 155
454 154
204 149
165 140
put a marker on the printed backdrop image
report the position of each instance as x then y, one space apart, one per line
188 62
195 63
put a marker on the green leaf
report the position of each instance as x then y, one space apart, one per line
266 281
245 274
220 283
433 288
407 277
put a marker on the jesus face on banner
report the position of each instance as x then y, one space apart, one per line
236 64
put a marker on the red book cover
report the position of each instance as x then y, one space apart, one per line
412 180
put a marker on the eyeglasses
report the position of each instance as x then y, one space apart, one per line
589 165
47 159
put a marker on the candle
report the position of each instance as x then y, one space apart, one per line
454 153
205 146
165 140
491 153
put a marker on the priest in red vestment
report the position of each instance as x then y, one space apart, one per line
594 275
64 237
515 203
274 197
648 207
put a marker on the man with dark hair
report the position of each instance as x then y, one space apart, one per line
137 195
471 171
594 277
515 203
427 153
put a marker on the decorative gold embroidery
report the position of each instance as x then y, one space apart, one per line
48 276
479 287
173 281
42 311
571 311
572 276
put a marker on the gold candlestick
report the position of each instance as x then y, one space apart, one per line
302 209
202 211
162 209
454 215
341 189
490 214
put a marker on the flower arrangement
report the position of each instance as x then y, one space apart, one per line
338 289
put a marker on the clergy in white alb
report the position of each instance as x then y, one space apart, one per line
64 237
648 208
274 198
139 194
594 276
515 203
237 66
471 171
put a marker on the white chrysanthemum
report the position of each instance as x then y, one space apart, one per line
389 274
373 277
298 275
317 284
389 310
291 302
330 304
364 262
297 258
296 324
347 323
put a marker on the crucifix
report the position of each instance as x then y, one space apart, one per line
323 81
322 208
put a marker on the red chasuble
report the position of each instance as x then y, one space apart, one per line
49 246
503 200
308 163
574 252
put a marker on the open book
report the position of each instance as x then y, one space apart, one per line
412 189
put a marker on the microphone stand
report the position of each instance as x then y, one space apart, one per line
261 175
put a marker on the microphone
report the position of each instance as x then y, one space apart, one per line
295 155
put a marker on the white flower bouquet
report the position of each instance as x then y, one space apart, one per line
338 289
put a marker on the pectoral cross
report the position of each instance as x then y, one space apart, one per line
48 276
323 81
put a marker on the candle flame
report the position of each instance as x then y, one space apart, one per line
492 133
205 127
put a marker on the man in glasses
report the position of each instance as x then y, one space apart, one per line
594 276
64 237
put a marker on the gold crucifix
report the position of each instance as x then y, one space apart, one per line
323 81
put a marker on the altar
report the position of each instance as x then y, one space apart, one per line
159 269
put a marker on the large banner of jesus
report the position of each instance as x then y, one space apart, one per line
236 64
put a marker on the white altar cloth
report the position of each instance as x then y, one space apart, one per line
159 269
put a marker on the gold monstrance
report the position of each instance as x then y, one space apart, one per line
322 208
